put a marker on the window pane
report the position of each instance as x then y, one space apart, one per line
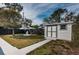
49 28
63 26
49 34
53 28
53 34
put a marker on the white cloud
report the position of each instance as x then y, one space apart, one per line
73 8
37 21
31 11
31 14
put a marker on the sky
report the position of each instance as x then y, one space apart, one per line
38 11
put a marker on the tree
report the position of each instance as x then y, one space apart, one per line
56 14
42 26
10 18
28 22
77 19
70 16
14 6
46 20
35 26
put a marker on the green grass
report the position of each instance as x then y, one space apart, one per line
53 48
19 41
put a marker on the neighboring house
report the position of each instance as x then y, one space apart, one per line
61 30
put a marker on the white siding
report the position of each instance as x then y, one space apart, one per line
61 34
65 34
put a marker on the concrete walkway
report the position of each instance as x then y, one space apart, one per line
10 50
7 48
32 47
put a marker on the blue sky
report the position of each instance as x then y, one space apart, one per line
37 11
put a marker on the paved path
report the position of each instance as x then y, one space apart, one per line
32 47
10 50
7 48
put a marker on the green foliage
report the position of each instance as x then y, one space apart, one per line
77 19
55 16
45 20
9 18
75 37
28 22
35 26
14 6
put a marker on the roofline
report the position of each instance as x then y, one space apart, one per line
60 23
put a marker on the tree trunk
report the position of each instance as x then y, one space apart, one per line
13 33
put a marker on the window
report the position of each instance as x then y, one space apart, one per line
63 27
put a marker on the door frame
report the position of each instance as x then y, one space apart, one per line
51 31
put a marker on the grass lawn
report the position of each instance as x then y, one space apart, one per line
58 47
20 41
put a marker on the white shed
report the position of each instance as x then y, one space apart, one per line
62 30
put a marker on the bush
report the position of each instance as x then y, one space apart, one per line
75 41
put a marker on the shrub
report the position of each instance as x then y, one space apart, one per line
75 30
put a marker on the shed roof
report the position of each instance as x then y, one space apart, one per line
70 22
